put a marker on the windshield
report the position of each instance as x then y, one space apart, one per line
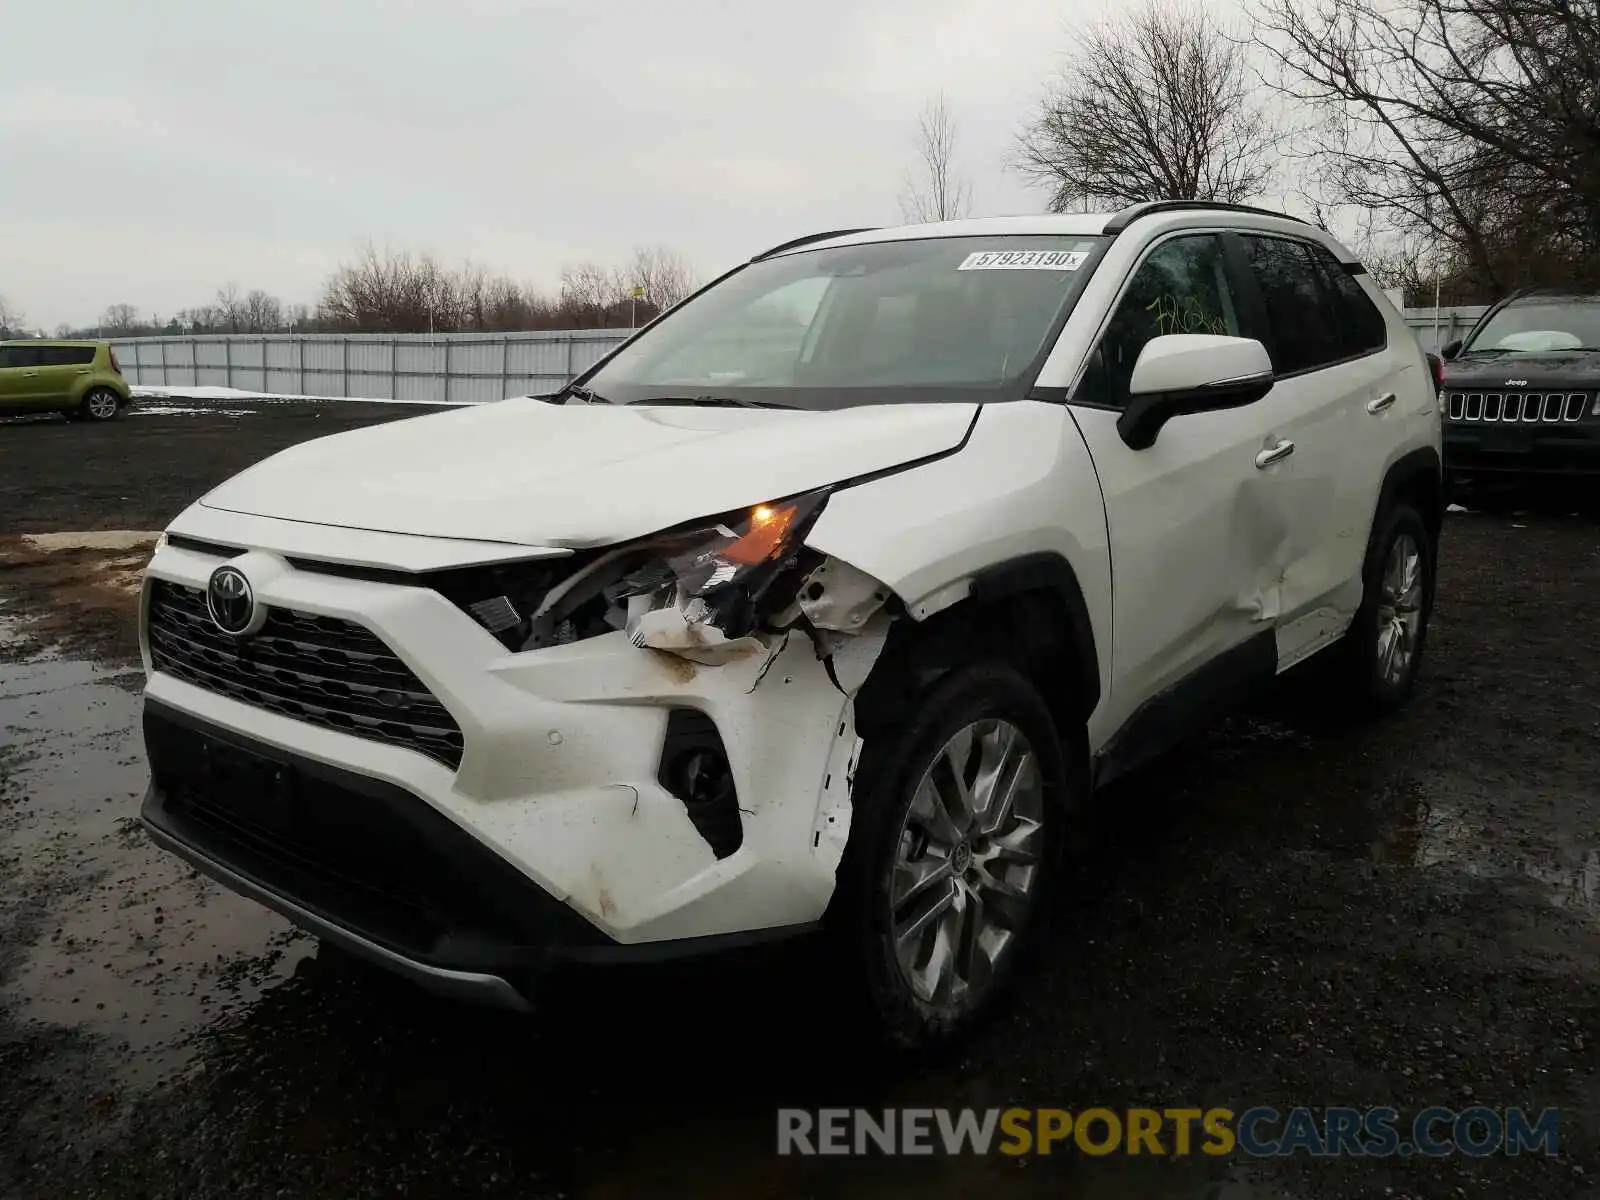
931 319
1567 324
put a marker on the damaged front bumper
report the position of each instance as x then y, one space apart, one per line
570 828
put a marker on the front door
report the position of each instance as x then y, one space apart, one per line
1194 521
61 370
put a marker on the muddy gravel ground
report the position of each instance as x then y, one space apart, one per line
1288 910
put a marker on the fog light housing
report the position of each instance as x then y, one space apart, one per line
694 768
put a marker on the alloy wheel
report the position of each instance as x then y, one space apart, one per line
966 863
1399 609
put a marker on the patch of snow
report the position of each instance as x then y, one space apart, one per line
1456 508
173 410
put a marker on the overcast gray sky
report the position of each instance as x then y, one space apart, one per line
153 151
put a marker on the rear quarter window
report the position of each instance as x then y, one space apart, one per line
1361 328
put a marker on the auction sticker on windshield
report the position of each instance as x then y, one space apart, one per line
1024 260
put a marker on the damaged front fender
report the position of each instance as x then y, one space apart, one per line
841 609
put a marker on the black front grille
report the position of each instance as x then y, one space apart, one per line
321 670
1524 408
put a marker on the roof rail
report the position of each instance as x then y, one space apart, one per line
807 240
1127 216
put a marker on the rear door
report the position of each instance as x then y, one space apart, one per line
1330 373
1194 519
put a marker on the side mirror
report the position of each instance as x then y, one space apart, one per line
1450 349
1183 373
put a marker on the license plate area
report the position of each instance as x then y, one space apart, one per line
248 787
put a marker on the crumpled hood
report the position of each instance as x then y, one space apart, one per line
532 473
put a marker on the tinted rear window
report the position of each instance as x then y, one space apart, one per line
65 356
18 356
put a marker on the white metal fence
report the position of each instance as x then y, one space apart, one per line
1440 327
464 367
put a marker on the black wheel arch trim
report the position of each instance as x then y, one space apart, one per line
1049 571
1423 462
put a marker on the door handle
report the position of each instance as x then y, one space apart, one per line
1274 454
29 374
1382 402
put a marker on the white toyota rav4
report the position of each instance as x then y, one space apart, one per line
820 604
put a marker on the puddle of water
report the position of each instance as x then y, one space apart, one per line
1439 832
93 539
130 943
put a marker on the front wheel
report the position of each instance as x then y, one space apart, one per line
1382 651
955 844
101 404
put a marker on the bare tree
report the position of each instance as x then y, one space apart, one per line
1472 125
120 318
261 312
388 293
230 310
11 320
203 318
663 274
1156 104
590 293
933 189
395 292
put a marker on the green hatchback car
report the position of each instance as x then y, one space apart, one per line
81 379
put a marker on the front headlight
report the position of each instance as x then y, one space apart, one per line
726 574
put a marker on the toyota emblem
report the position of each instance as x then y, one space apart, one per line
231 602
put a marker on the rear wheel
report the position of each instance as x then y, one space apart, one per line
955 844
101 404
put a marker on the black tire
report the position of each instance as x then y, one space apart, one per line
1363 680
862 918
100 404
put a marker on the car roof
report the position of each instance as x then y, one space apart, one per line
1157 216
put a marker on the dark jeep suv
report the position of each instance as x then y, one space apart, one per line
1522 392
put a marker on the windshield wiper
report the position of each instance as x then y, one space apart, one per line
587 395
711 402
